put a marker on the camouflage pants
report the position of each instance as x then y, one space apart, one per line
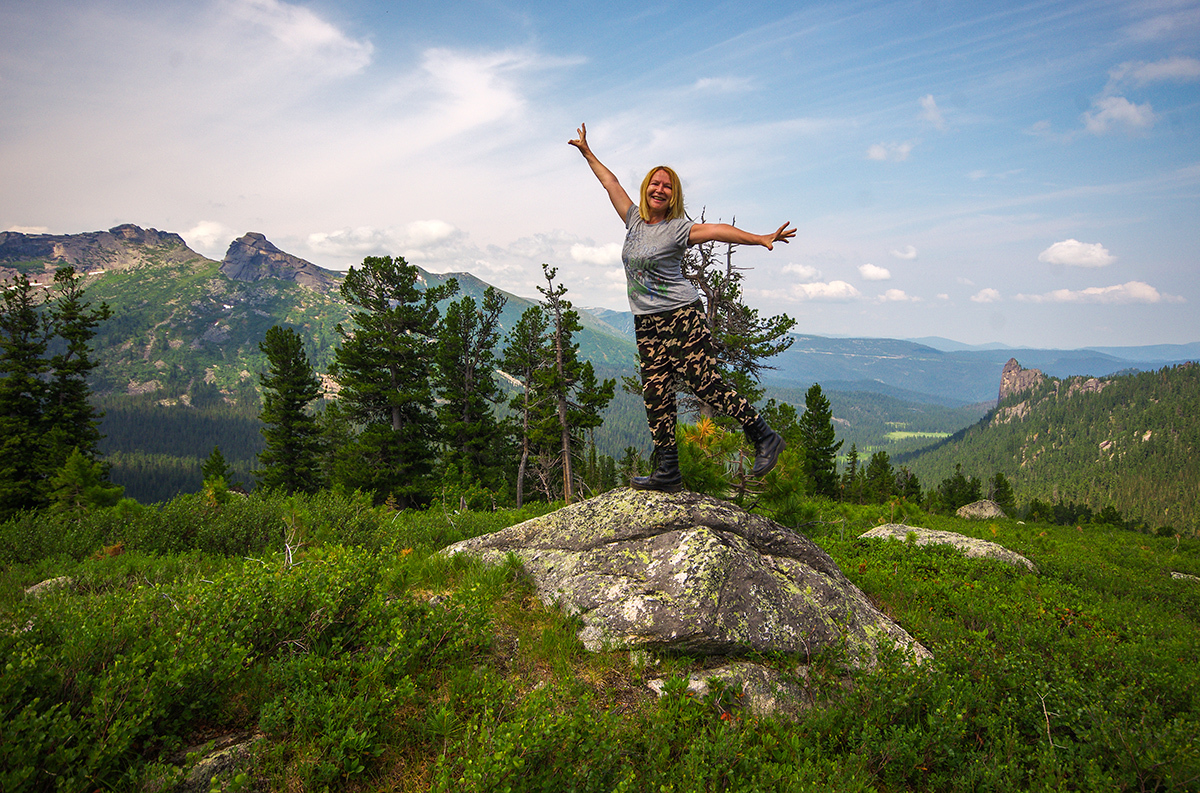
676 351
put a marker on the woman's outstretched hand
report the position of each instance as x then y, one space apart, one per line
580 142
783 234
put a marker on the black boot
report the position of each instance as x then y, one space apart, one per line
767 445
666 476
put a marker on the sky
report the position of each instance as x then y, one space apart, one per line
1021 173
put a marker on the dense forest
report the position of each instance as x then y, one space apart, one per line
1127 441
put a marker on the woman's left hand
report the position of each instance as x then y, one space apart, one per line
783 234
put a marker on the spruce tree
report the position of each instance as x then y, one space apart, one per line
72 422
820 446
290 460
384 367
23 453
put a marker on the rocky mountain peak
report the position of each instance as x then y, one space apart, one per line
252 257
1014 379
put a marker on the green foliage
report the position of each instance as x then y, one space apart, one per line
1130 445
293 445
79 486
388 666
384 367
820 447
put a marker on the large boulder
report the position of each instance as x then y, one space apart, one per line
980 510
972 547
692 574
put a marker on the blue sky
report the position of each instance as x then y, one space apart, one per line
987 172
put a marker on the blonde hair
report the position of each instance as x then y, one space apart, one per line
675 206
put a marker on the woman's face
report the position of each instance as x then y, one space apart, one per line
659 192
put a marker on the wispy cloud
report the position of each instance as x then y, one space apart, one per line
988 295
834 291
1178 68
1074 253
1118 113
1127 293
804 272
895 152
908 254
609 254
931 113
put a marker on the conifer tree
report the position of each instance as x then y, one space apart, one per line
466 383
79 486
525 354
216 467
743 340
881 479
384 367
820 447
570 386
290 459
23 343
72 422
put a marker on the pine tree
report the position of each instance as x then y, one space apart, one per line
570 387
820 447
290 460
743 340
72 422
525 354
24 339
850 477
79 486
384 367
216 467
881 479
467 390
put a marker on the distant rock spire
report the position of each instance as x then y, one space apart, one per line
1014 379
252 257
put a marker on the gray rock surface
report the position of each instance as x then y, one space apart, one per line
980 510
970 546
49 585
252 257
688 573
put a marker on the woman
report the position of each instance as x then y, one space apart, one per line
673 339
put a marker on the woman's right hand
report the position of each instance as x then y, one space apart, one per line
581 142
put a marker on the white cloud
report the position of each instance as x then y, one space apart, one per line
1177 68
304 33
420 240
1074 253
209 238
1117 112
943 296
931 113
870 272
1131 292
29 229
804 272
896 152
721 85
909 253
833 291
603 255
897 296
988 295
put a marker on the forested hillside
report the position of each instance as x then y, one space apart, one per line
1127 441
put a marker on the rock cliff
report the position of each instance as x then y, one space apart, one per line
252 257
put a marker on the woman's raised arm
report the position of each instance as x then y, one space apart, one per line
620 199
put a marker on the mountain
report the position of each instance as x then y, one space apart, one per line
185 331
1128 440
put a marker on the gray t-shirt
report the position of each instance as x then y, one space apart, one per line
653 255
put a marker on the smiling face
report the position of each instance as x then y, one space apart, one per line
662 195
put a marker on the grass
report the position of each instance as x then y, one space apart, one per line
365 661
